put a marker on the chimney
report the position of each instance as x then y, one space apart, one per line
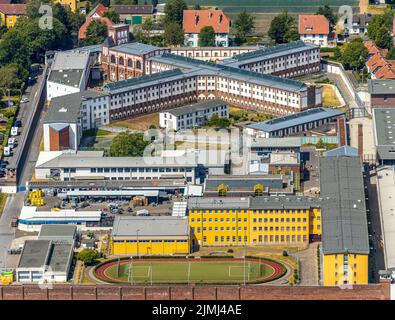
196 19
220 18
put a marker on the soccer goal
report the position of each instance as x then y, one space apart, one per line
240 271
138 273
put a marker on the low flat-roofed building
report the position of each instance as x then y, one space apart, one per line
247 185
382 92
44 261
345 246
146 235
265 146
294 123
384 134
69 73
193 115
58 233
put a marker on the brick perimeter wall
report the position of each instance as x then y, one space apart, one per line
107 292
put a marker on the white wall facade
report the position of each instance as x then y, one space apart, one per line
317 39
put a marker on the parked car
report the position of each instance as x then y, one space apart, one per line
11 142
24 100
7 151
18 123
14 131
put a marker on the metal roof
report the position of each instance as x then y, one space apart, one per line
381 86
344 212
150 226
384 126
60 257
34 254
66 109
135 48
342 151
296 119
195 107
57 230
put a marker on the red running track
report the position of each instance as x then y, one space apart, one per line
277 268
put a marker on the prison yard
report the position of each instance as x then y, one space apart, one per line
180 271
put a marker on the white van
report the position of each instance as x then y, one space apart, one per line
14 131
7 151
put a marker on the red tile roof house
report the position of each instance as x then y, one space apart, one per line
314 29
379 67
195 20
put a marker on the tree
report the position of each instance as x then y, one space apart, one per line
87 256
128 145
378 22
173 34
353 54
219 122
12 76
391 54
174 10
244 24
96 33
112 15
383 38
154 2
328 12
320 144
283 29
207 37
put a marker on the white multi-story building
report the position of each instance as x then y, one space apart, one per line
69 73
314 29
195 20
193 115
70 166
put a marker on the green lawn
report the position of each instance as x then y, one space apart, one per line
180 272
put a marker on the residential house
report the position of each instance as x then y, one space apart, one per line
9 13
134 15
314 29
195 20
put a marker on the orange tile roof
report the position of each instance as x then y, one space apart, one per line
373 49
13 9
195 20
313 24
88 20
99 10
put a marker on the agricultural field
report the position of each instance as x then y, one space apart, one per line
191 271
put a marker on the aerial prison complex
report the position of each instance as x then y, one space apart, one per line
256 80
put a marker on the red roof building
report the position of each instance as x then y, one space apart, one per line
380 67
314 29
195 20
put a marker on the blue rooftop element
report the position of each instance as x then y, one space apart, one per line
295 119
342 151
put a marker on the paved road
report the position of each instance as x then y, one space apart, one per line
14 202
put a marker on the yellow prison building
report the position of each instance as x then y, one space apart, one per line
345 246
9 13
224 221
152 235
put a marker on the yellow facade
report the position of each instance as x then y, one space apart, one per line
150 246
9 20
238 227
72 4
341 269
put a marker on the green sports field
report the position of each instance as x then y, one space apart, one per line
184 271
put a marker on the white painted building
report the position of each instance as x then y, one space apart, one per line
69 73
314 29
193 115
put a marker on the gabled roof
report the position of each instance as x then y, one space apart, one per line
100 10
195 20
13 9
88 20
313 24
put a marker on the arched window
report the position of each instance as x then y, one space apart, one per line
138 64
112 59
121 61
130 63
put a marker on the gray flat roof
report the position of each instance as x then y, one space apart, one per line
244 182
69 77
34 254
66 109
342 151
255 203
135 48
344 212
57 230
150 226
201 105
81 160
60 256
296 119
70 60
384 126
276 142
381 86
